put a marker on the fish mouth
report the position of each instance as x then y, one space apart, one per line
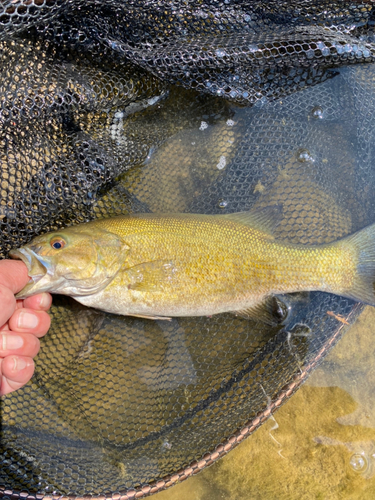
36 269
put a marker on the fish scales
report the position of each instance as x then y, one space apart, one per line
223 262
160 265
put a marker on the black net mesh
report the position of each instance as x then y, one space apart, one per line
157 106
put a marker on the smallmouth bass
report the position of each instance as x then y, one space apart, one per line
164 265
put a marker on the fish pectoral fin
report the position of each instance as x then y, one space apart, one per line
150 276
265 219
272 311
144 316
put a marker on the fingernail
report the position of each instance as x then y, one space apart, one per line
18 364
10 342
27 320
44 300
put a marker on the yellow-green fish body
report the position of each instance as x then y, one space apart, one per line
160 265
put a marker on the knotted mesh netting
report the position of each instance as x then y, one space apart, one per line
194 106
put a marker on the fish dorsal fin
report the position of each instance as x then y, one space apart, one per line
150 276
272 311
265 219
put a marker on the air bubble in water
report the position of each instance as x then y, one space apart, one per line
149 155
304 155
220 53
222 203
222 163
340 49
366 53
323 48
166 445
358 462
310 54
317 112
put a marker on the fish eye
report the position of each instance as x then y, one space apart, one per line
57 242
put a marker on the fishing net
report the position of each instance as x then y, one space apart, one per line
119 107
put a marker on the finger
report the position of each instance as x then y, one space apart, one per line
30 321
16 372
13 274
40 302
8 304
20 344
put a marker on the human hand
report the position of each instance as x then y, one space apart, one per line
22 322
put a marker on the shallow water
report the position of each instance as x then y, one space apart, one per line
319 445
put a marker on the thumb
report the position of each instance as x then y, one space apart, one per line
13 275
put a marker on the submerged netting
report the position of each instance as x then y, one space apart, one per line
182 106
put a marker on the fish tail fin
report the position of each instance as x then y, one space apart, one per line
363 288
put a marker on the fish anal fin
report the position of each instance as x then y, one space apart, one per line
150 276
271 311
265 219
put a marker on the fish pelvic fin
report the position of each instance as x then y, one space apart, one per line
145 316
363 288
